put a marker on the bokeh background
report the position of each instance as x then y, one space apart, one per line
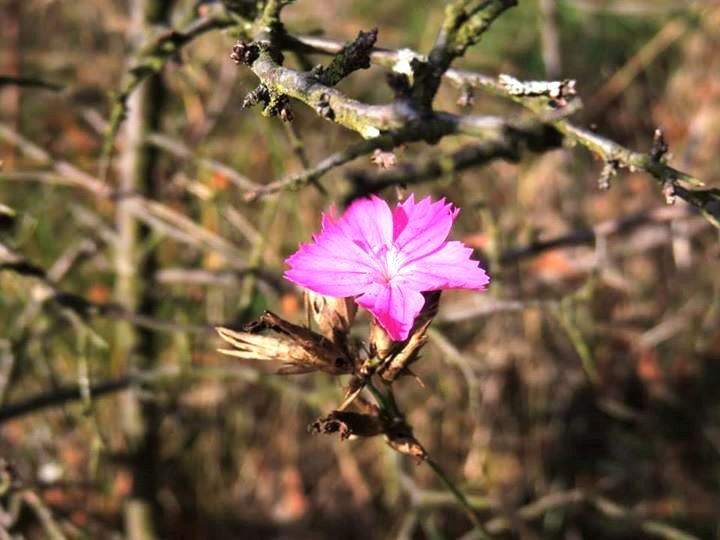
577 398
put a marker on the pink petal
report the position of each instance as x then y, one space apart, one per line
422 227
329 283
449 267
340 262
395 308
367 222
321 269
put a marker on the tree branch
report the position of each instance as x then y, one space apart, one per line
707 201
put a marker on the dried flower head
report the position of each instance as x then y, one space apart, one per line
387 258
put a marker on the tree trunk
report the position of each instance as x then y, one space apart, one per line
134 266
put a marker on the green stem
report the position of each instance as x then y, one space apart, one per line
460 498
381 399
387 405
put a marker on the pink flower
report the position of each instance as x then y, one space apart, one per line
387 258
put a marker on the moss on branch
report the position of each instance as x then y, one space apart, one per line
367 120
464 23
353 56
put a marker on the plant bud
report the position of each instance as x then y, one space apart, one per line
334 316
380 343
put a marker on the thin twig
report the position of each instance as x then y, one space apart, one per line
151 59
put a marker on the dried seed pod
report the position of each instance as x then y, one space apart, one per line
348 424
300 350
334 316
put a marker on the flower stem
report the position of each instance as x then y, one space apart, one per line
380 398
460 497
388 405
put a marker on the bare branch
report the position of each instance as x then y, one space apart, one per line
151 59
465 22
707 201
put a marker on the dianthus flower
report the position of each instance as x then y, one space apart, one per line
387 258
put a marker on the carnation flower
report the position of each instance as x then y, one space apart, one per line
387 258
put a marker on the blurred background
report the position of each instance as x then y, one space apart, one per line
577 398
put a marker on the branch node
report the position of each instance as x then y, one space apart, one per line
669 192
466 99
659 146
244 53
609 171
323 108
354 55
259 94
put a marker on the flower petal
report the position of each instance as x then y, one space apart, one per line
368 223
340 261
394 307
320 268
449 267
422 227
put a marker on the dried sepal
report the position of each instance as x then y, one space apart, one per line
429 310
409 351
398 364
268 349
353 389
381 344
408 445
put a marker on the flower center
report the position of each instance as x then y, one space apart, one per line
389 261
